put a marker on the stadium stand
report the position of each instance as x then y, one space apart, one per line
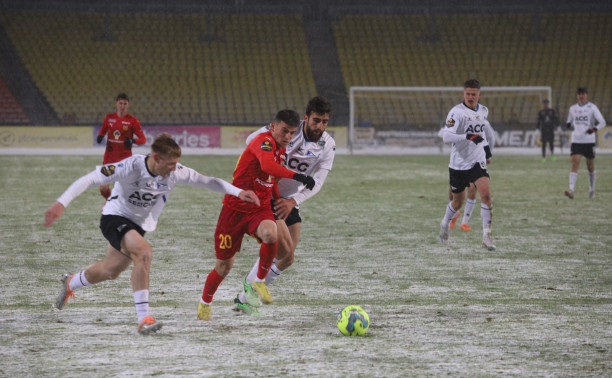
240 63
241 69
11 113
498 49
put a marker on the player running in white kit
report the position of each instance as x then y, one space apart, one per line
464 128
586 119
142 186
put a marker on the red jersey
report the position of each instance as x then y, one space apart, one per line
255 170
118 130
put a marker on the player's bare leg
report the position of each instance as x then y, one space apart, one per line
286 249
141 253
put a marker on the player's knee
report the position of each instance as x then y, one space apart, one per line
142 256
223 270
268 235
486 199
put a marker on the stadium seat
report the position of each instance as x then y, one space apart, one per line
498 49
11 113
166 63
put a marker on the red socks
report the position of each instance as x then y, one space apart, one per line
267 253
210 287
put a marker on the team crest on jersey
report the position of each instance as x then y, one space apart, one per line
451 122
108 170
266 146
321 142
117 134
125 127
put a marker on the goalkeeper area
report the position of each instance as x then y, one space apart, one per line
407 119
540 305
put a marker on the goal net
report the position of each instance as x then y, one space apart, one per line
405 119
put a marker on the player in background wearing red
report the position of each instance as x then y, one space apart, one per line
122 130
256 170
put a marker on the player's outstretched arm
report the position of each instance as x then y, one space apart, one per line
53 213
249 196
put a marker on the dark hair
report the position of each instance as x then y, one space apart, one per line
165 146
122 96
318 104
582 90
471 83
290 117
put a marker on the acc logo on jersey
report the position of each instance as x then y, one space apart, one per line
450 123
108 170
266 146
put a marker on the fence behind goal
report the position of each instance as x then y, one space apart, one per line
409 118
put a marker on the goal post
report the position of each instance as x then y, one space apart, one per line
408 118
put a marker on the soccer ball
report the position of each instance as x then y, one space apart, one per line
353 321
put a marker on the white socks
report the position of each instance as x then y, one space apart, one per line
141 299
469 208
485 213
592 181
78 281
450 213
270 277
572 180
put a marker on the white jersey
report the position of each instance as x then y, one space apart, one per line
462 120
137 194
309 158
489 136
583 118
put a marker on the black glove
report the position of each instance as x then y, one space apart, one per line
568 125
474 138
488 154
591 130
100 138
308 181
128 143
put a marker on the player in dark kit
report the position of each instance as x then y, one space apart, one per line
548 121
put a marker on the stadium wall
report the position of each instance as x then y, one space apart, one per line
195 138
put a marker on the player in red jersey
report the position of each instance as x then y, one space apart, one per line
122 130
256 170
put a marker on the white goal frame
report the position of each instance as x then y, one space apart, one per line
351 126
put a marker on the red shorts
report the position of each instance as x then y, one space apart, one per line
231 227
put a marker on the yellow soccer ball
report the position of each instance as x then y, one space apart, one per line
353 321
